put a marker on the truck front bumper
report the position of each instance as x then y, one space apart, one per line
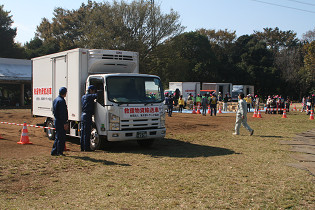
136 135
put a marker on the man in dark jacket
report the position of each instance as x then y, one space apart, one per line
169 102
86 117
60 111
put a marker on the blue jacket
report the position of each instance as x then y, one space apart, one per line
60 110
88 103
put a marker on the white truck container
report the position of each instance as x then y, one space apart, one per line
186 88
129 105
223 88
246 89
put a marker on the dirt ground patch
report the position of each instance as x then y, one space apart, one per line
178 123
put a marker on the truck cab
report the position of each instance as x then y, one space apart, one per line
129 107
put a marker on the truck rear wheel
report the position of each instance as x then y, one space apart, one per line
147 143
50 132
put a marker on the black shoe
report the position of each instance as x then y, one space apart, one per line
251 133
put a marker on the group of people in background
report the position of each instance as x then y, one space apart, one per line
203 101
252 102
276 103
308 104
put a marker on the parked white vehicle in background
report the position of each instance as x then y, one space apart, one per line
129 104
246 89
223 88
186 88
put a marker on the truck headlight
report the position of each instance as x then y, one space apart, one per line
114 122
162 120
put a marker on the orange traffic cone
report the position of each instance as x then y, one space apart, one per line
209 111
312 115
259 114
220 111
24 136
194 110
255 113
284 113
198 110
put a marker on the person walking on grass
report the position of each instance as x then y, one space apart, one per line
241 116
169 102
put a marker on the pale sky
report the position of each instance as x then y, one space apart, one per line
242 16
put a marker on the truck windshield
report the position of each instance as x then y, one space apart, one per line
127 89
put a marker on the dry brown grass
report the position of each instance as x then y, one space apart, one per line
197 170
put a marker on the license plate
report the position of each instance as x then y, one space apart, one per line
141 134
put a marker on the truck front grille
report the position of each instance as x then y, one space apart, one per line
143 124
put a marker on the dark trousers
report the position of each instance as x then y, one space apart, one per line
204 109
60 138
86 125
213 109
170 110
181 108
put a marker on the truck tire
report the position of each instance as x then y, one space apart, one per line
146 143
97 142
50 132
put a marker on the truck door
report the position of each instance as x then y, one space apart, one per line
98 82
60 74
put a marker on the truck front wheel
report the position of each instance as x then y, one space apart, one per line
96 141
50 132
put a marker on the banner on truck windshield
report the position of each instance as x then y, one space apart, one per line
136 112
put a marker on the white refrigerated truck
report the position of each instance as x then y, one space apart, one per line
186 88
129 105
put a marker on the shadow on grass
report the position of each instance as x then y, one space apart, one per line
171 148
271 136
105 162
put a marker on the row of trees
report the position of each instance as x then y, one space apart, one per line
275 61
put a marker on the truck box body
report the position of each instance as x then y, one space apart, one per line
109 71
186 88
224 88
70 69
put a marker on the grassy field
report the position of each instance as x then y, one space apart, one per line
198 170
